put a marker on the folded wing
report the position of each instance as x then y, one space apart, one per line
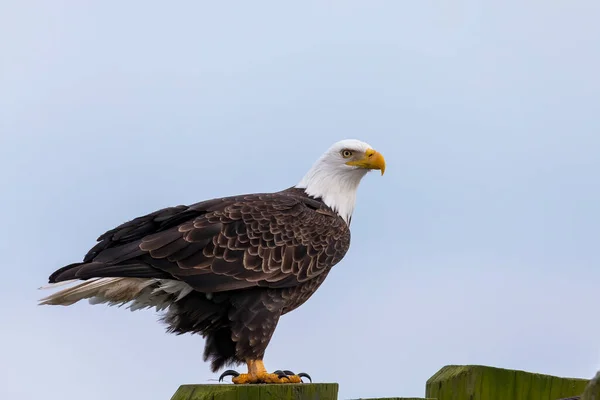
261 240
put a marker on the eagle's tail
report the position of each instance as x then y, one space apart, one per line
140 292
187 311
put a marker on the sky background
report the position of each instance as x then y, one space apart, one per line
478 246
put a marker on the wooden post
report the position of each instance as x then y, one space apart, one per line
393 398
476 382
300 391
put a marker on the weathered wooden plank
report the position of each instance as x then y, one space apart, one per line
393 398
301 391
478 382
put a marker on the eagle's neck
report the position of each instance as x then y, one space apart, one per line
336 187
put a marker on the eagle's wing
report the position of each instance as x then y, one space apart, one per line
269 240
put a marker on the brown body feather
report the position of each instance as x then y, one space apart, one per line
249 259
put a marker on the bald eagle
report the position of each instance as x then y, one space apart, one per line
228 268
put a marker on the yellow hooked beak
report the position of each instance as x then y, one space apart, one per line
372 160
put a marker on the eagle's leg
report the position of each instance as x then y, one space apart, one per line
252 318
257 373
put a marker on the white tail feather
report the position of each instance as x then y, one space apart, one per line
54 285
172 287
140 292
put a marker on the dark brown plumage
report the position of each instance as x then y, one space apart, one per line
258 256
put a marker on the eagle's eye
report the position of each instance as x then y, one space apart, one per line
346 153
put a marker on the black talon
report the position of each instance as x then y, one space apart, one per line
280 374
305 375
288 372
229 372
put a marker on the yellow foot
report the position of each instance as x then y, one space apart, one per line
264 377
257 373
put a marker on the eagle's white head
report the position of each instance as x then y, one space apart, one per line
337 173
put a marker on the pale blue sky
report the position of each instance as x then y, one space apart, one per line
479 245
